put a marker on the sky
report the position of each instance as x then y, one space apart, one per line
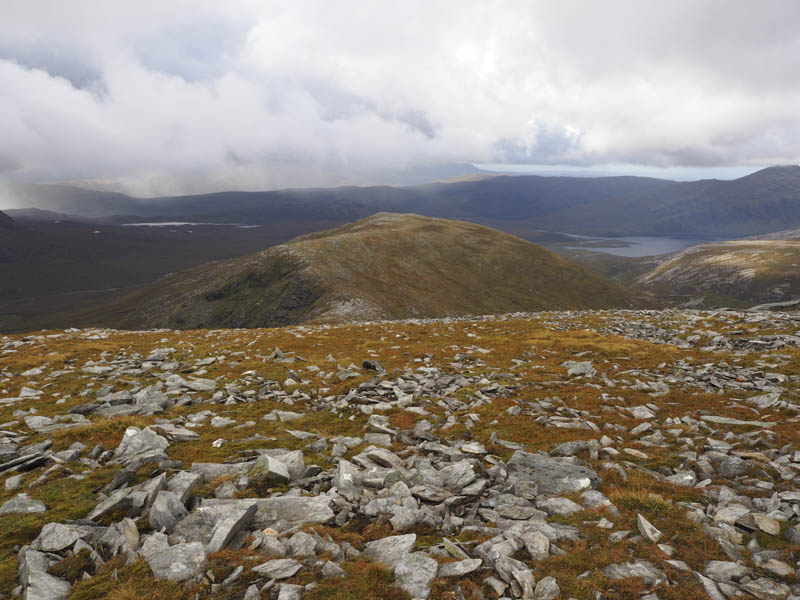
178 96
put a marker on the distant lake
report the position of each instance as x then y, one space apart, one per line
637 246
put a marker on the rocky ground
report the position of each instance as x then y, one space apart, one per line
550 455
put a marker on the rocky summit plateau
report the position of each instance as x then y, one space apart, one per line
578 454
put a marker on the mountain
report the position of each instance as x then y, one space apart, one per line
387 266
25 215
738 273
6 222
765 201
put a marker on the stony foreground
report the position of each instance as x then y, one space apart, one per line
552 455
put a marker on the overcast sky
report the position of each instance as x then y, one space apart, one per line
166 96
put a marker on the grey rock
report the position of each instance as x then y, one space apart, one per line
55 537
415 572
648 531
683 479
118 499
301 544
120 538
793 535
331 569
267 470
710 587
403 518
507 566
139 444
547 589
252 593
390 550
385 458
559 506
278 568
458 475
537 544
526 581
650 575
166 511
293 510
373 365
288 591
552 476
778 568
175 563
722 570
37 583
767 589
183 484
570 448
23 505
174 433
460 568
226 529
13 483
347 480
272 545
575 368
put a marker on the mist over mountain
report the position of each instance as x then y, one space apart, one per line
762 202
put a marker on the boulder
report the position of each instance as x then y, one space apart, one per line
175 563
552 476
390 550
268 471
278 568
415 572
167 510
23 505
141 445
36 582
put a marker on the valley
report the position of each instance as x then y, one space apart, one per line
58 272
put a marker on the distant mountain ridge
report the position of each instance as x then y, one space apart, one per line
763 202
387 266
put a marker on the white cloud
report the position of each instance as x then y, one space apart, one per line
165 96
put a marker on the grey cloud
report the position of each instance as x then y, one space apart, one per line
198 94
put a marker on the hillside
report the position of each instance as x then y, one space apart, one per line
737 273
763 202
387 266
614 454
6 222
49 270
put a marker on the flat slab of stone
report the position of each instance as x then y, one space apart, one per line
390 550
728 421
650 575
23 505
36 581
552 476
279 568
175 563
294 510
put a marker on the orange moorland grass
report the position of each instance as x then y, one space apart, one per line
528 340
117 581
364 580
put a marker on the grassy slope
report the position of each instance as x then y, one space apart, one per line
396 345
51 270
6 222
737 273
385 266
